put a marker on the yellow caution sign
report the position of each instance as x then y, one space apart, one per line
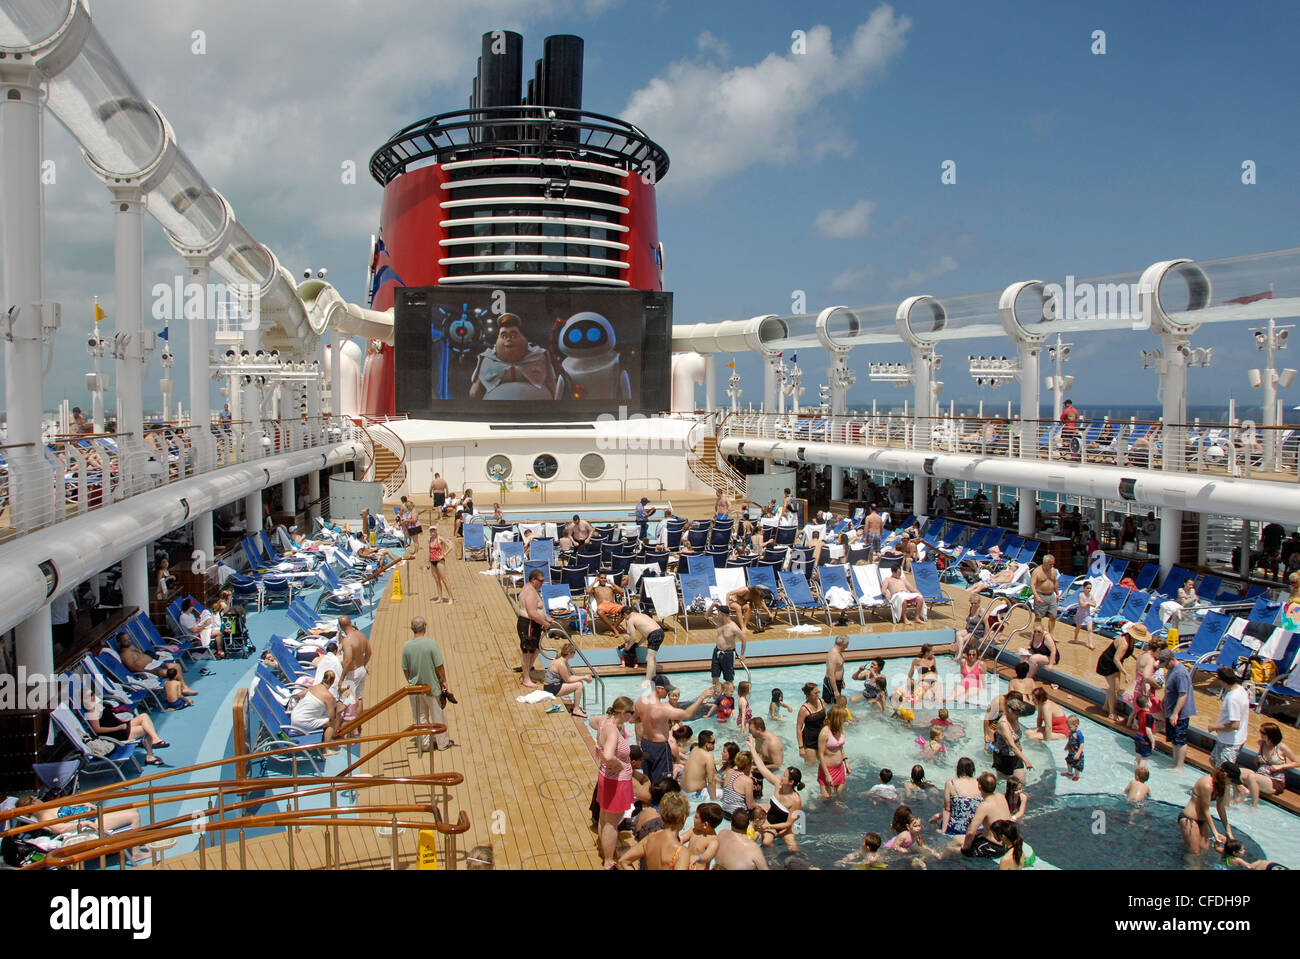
427 854
397 584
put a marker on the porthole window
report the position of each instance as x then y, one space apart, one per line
592 466
545 466
499 468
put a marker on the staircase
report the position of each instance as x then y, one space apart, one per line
714 471
389 464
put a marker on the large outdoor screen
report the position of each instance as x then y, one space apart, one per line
491 353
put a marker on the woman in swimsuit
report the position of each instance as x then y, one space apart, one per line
614 781
1194 821
663 849
1008 759
1110 664
809 722
737 786
438 565
1275 758
929 669
832 766
961 797
560 681
786 806
1051 718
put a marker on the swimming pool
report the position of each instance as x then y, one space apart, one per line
1071 825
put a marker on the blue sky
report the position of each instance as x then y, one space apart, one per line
818 172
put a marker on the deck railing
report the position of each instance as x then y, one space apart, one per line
1239 448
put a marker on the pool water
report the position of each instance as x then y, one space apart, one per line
1071 825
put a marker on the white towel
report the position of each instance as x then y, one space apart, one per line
662 591
838 597
536 696
729 580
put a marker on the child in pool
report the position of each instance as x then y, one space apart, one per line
932 748
777 704
744 712
1137 790
1073 750
868 857
907 834
1232 857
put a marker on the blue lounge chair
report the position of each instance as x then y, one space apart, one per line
799 594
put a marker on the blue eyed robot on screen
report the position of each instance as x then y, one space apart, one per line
592 366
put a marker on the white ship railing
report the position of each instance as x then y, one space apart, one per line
72 475
1235 449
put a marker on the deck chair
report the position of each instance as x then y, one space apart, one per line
1206 641
697 595
1177 576
75 728
866 586
799 593
836 577
1287 682
558 601
1146 576
764 577
926 577
473 543
700 563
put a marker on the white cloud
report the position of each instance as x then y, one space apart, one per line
911 282
708 43
849 280
846 224
722 121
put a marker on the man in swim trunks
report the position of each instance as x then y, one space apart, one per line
655 719
724 654
699 778
833 681
638 625
530 620
356 654
609 606
438 491
992 807
1043 584
874 524
736 851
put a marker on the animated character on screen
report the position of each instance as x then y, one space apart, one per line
591 368
513 369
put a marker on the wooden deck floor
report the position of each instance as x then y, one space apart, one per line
529 774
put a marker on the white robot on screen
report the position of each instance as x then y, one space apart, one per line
592 367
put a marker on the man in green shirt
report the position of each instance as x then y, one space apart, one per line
422 665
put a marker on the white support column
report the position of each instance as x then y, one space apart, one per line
769 384
922 393
1171 529
289 497
313 492
1029 401
710 381
135 579
204 538
205 450
22 231
253 512
34 643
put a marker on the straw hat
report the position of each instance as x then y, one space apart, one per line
1137 632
